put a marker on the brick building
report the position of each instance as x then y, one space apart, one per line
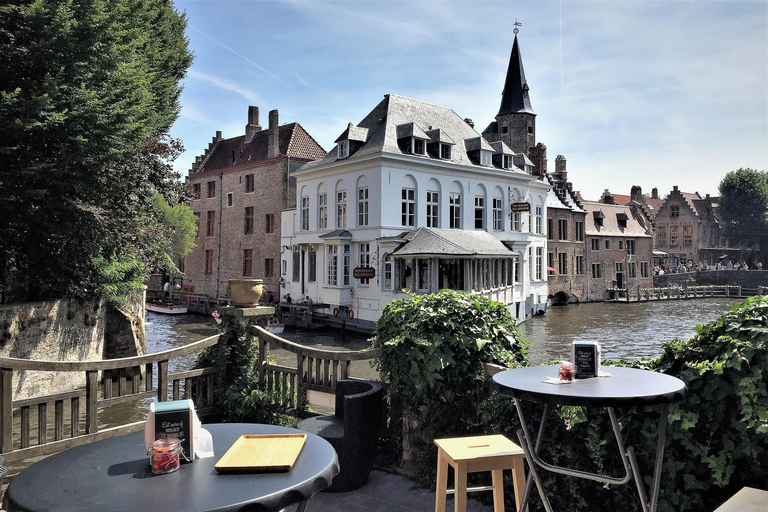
566 269
619 249
688 228
240 186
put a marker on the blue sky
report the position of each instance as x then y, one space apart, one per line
649 93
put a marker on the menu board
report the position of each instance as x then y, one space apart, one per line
174 419
586 358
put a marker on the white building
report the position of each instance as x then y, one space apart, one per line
413 199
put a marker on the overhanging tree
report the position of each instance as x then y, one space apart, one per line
88 93
744 207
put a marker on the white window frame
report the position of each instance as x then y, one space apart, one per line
364 255
498 214
305 213
479 208
362 206
341 208
454 209
343 149
322 211
486 158
332 267
539 219
446 151
408 207
433 209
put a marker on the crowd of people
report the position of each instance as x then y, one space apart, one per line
680 268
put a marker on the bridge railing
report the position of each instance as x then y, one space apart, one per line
316 369
24 424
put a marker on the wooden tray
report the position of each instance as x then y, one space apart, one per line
268 453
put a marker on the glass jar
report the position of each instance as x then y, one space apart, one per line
566 370
164 455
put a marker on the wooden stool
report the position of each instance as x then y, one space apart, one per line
473 454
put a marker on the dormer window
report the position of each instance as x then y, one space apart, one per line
445 151
485 158
418 146
343 149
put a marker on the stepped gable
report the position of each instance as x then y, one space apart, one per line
294 141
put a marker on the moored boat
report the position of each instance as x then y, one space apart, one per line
274 326
166 307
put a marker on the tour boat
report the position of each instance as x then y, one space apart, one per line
167 307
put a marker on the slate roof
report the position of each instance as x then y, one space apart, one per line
514 98
294 141
433 242
637 225
395 114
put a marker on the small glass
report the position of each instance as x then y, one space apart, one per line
164 455
566 370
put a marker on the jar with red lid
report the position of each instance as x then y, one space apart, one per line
164 455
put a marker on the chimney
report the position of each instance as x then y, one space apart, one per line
560 167
654 193
636 194
218 135
253 122
273 136
469 122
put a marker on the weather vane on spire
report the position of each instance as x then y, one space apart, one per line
517 24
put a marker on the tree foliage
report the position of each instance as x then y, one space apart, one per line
744 207
88 93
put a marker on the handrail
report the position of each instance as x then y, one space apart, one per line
198 384
334 355
107 364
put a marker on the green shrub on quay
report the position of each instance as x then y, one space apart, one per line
434 349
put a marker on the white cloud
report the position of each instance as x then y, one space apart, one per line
222 83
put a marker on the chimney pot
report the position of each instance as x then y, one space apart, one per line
253 122
469 122
273 136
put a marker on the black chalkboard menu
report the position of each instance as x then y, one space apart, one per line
586 358
174 419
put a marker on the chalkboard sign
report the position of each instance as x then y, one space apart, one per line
586 358
174 419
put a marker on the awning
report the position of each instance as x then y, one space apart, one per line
550 269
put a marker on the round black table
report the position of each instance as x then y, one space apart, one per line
625 387
114 474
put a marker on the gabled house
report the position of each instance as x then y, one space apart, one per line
411 200
619 249
240 186
689 230
566 242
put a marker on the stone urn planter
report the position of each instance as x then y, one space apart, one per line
245 293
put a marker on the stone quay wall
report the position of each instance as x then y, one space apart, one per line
744 278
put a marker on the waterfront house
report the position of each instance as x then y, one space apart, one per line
689 230
619 249
566 242
240 186
412 199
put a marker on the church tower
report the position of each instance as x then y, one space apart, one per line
515 123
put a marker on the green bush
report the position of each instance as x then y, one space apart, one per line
718 436
434 348
238 395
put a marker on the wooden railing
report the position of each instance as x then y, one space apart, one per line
316 369
24 427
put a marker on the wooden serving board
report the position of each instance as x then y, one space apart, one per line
268 453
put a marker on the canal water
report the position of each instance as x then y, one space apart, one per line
624 331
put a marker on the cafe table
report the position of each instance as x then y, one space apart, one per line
114 474
625 387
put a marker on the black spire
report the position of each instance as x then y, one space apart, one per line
514 97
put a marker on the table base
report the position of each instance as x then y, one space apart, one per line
628 458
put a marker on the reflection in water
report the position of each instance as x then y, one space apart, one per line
624 331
